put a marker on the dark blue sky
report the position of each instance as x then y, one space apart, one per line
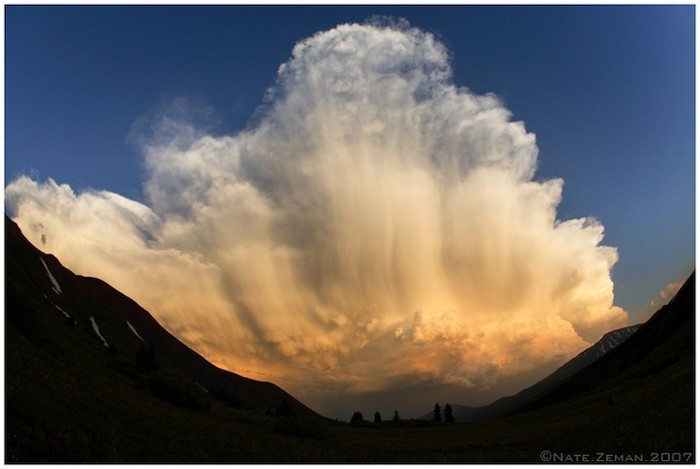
609 92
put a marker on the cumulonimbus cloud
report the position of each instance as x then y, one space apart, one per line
377 222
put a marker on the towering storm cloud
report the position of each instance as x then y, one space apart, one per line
377 225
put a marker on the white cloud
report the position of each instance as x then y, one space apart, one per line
378 224
660 300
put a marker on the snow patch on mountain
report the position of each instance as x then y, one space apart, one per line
55 286
96 328
64 313
611 340
134 331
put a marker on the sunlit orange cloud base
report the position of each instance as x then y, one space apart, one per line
376 226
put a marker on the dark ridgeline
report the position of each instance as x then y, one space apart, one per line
92 377
507 405
633 352
666 338
134 336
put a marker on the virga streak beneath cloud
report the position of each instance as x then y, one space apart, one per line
377 223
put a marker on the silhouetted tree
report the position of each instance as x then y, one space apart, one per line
448 413
146 358
436 413
377 417
226 397
177 389
285 409
356 417
396 416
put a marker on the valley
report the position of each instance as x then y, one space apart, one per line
80 393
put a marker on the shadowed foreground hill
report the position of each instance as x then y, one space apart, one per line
76 347
92 377
507 405
41 290
666 339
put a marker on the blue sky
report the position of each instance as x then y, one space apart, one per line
608 91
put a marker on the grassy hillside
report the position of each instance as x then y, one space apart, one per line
70 399
42 310
666 339
507 405
57 411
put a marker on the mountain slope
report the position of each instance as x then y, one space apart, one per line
629 353
506 405
58 310
665 340
68 401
